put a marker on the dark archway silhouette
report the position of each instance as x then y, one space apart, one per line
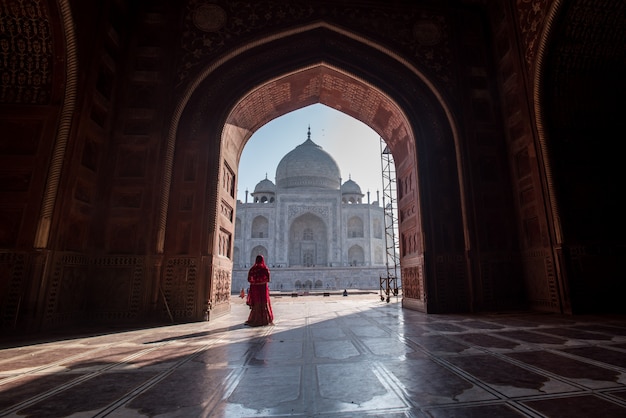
309 66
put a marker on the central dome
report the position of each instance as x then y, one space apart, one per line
308 166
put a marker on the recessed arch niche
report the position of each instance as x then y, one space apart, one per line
322 64
307 241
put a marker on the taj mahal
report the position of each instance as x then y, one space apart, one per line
315 232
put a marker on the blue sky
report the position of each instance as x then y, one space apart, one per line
354 146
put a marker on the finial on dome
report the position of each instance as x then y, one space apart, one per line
308 136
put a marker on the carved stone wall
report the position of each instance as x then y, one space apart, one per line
578 133
515 68
117 288
501 115
179 289
27 53
13 277
66 291
30 54
95 290
213 27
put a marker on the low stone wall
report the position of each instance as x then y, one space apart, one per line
316 278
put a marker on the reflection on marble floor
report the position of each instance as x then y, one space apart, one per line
332 356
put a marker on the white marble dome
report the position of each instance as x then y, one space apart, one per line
265 186
351 187
308 166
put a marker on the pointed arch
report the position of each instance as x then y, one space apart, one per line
307 65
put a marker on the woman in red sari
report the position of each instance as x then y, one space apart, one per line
259 294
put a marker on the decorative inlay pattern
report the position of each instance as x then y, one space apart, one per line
209 29
12 269
116 280
427 33
531 14
67 288
209 17
179 287
119 283
25 52
295 210
413 283
221 286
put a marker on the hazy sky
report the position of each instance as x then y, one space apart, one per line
354 146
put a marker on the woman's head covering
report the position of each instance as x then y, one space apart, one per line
259 273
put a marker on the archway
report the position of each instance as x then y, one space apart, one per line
308 238
356 255
260 227
289 76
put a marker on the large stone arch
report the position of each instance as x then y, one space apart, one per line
260 227
308 241
355 227
289 71
577 96
356 255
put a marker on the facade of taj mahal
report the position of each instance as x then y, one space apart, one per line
315 232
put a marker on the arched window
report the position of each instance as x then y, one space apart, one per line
356 255
260 227
355 227
308 241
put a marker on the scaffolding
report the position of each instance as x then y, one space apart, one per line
389 282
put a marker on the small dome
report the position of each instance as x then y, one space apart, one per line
265 186
308 166
350 187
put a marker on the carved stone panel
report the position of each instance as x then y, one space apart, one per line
12 269
413 282
116 288
179 286
66 294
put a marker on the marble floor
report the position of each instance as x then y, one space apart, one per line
335 356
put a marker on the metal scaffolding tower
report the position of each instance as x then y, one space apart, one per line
389 283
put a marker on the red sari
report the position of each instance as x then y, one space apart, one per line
259 295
